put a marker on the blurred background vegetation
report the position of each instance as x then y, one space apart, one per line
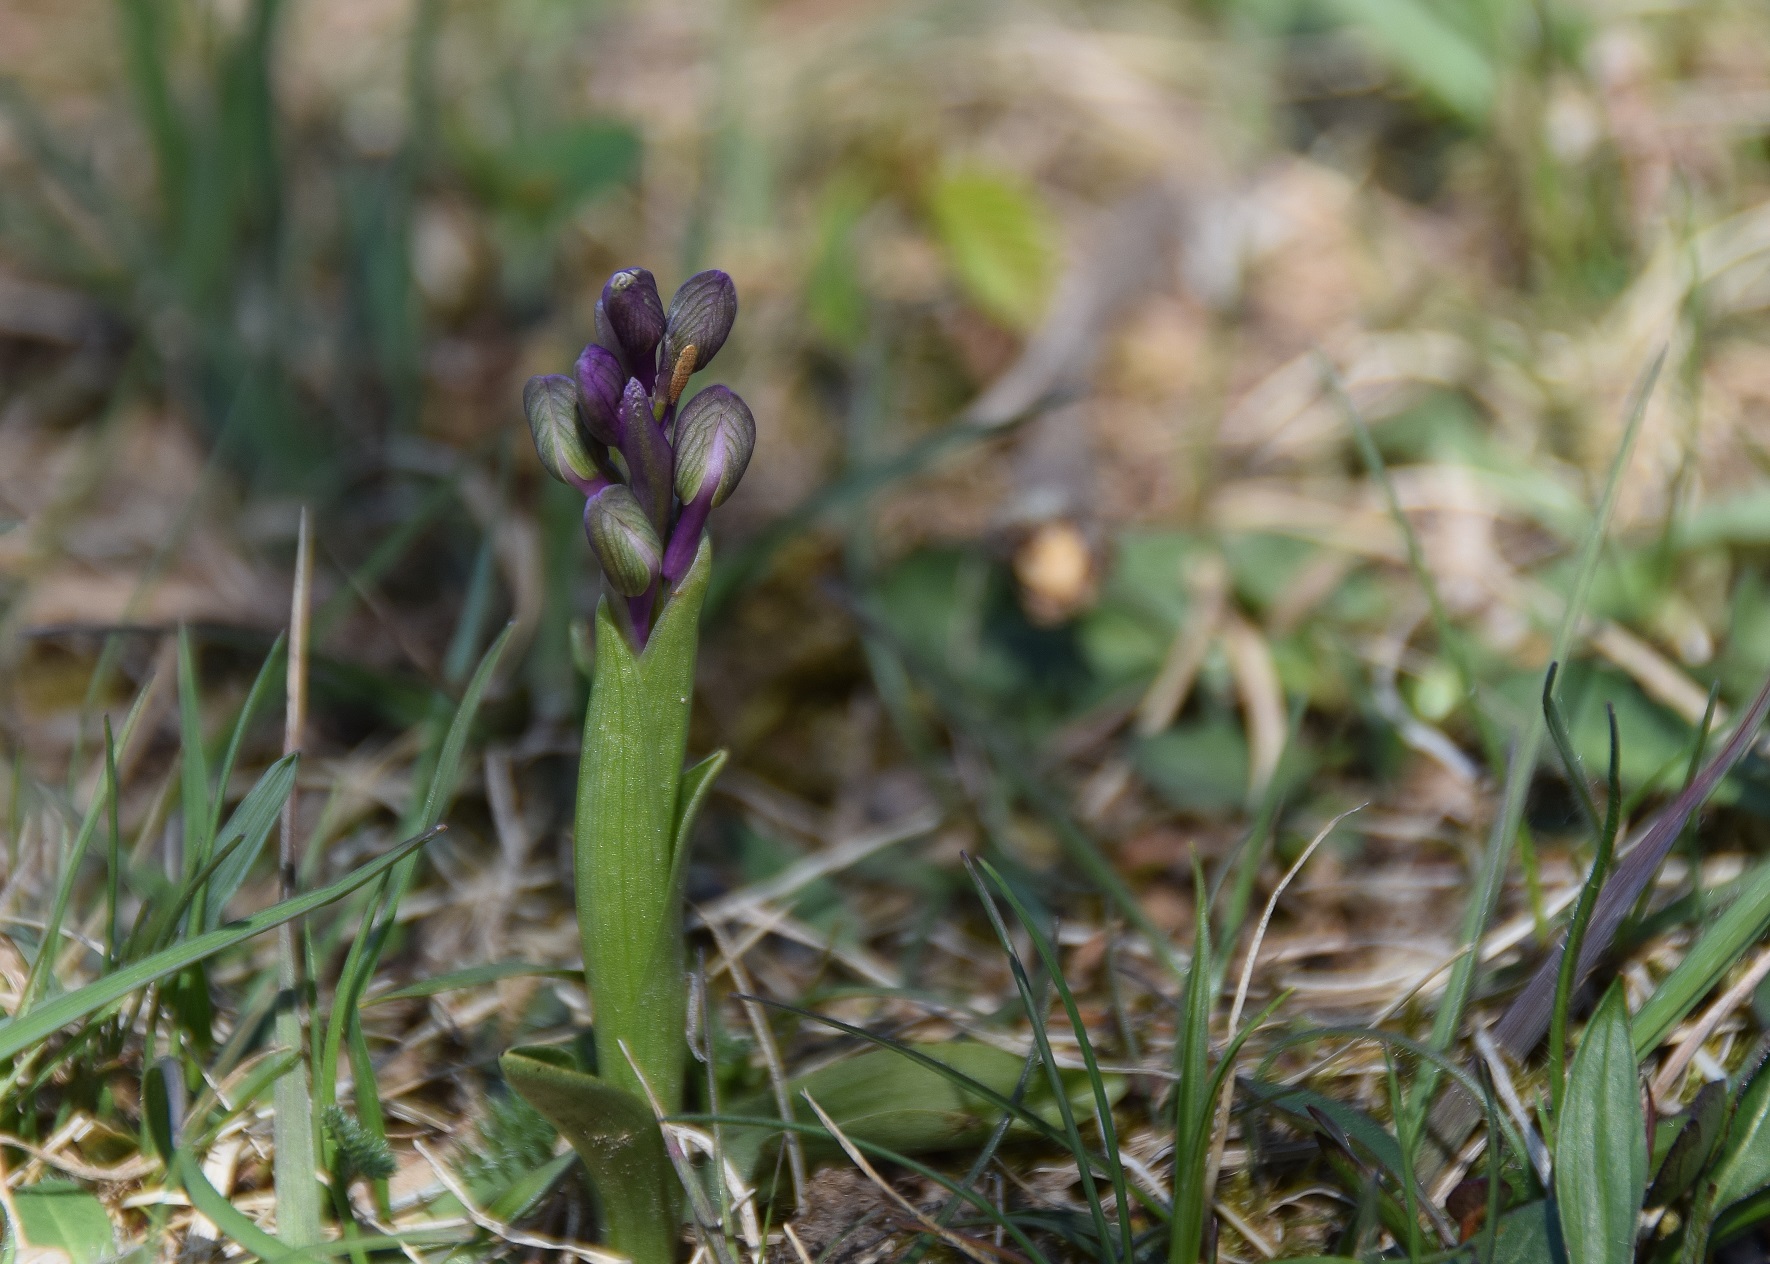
1056 317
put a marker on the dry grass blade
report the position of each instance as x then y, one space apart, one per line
1220 1127
294 1159
771 1056
1208 583
802 873
1665 1083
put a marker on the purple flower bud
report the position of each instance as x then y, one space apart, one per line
623 540
605 333
701 316
551 402
715 435
599 379
636 317
648 454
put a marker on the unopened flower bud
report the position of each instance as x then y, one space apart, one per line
623 540
715 435
551 402
701 316
635 314
647 452
600 381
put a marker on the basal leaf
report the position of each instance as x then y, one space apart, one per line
1690 1152
1530 1234
60 1214
617 1136
1601 1142
1744 1168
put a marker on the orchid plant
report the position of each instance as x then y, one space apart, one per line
652 468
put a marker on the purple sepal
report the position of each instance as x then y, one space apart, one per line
685 538
636 315
651 465
599 376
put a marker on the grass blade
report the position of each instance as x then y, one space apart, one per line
294 1160
1582 911
20 1033
1728 936
1193 1094
1448 1022
1102 1106
1525 1020
1084 1167
38 978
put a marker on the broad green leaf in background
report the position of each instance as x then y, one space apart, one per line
835 296
550 172
1426 50
1744 1168
1601 1142
885 1098
998 239
62 1215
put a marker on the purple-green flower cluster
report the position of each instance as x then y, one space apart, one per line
651 467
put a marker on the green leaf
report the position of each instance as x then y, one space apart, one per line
1705 962
62 1215
19 1034
1435 56
1201 767
1700 1131
1530 1234
549 173
886 1098
696 785
1193 1094
1601 1142
625 840
1745 1167
523 1193
835 297
252 821
1297 1104
998 240
618 1139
